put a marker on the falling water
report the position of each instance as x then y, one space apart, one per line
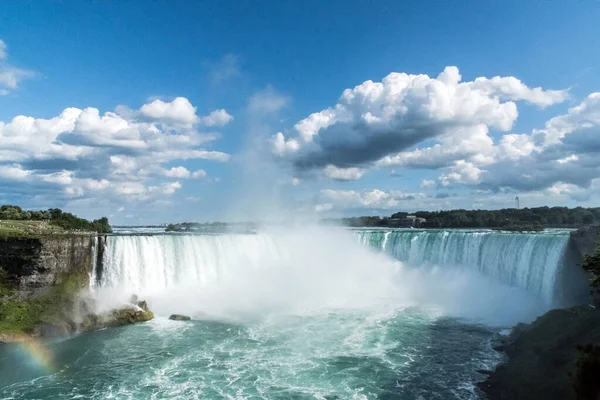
530 261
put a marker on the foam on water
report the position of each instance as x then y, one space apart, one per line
303 314
529 261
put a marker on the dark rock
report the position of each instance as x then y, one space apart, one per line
117 317
542 355
33 264
143 305
179 317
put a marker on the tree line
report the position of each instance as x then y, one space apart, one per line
55 217
504 218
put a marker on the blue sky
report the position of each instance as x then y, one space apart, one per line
401 144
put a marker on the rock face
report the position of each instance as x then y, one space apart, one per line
41 281
179 317
542 355
582 242
32 264
117 317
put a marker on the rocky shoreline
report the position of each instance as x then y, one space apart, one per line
79 317
542 356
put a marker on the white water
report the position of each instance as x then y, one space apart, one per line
314 270
530 261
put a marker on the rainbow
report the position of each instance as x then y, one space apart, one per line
38 353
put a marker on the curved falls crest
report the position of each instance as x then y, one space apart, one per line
322 264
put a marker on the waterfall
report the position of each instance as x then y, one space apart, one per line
151 264
531 261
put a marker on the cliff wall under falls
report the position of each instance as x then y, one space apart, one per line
34 265
41 281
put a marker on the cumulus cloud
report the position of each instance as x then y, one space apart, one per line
217 118
562 159
343 174
82 153
446 124
375 198
10 75
376 120
427 184
179 111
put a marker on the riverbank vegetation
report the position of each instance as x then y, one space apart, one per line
534 218
591 263
20 315
15 221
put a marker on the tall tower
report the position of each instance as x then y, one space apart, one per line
517 202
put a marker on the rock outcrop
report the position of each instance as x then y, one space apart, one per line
583 242
543 355
117 317
179 317
33 264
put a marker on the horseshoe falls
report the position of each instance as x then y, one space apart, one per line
310 313
531 261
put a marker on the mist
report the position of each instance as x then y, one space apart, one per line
303 271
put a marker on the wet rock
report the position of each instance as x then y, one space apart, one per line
143 305
117 317
179 317
542 356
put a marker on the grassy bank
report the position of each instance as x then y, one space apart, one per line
20 316
13 229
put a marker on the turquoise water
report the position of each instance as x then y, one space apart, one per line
309 314
339 355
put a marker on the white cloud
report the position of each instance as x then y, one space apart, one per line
226 68
427 184
178 172
217 118
267 101
199 174
513 89
375 120
179 111
323 207
375 125
2 50
366 199
463 173
343 174
10 76
82 153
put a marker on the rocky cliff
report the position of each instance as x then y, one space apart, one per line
42 282
33 264
543 360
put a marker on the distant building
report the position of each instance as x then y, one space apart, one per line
410 221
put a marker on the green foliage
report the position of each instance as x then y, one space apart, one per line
591 263
544 216
522 228
18 315
508 218
171 228
55 217
586 378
